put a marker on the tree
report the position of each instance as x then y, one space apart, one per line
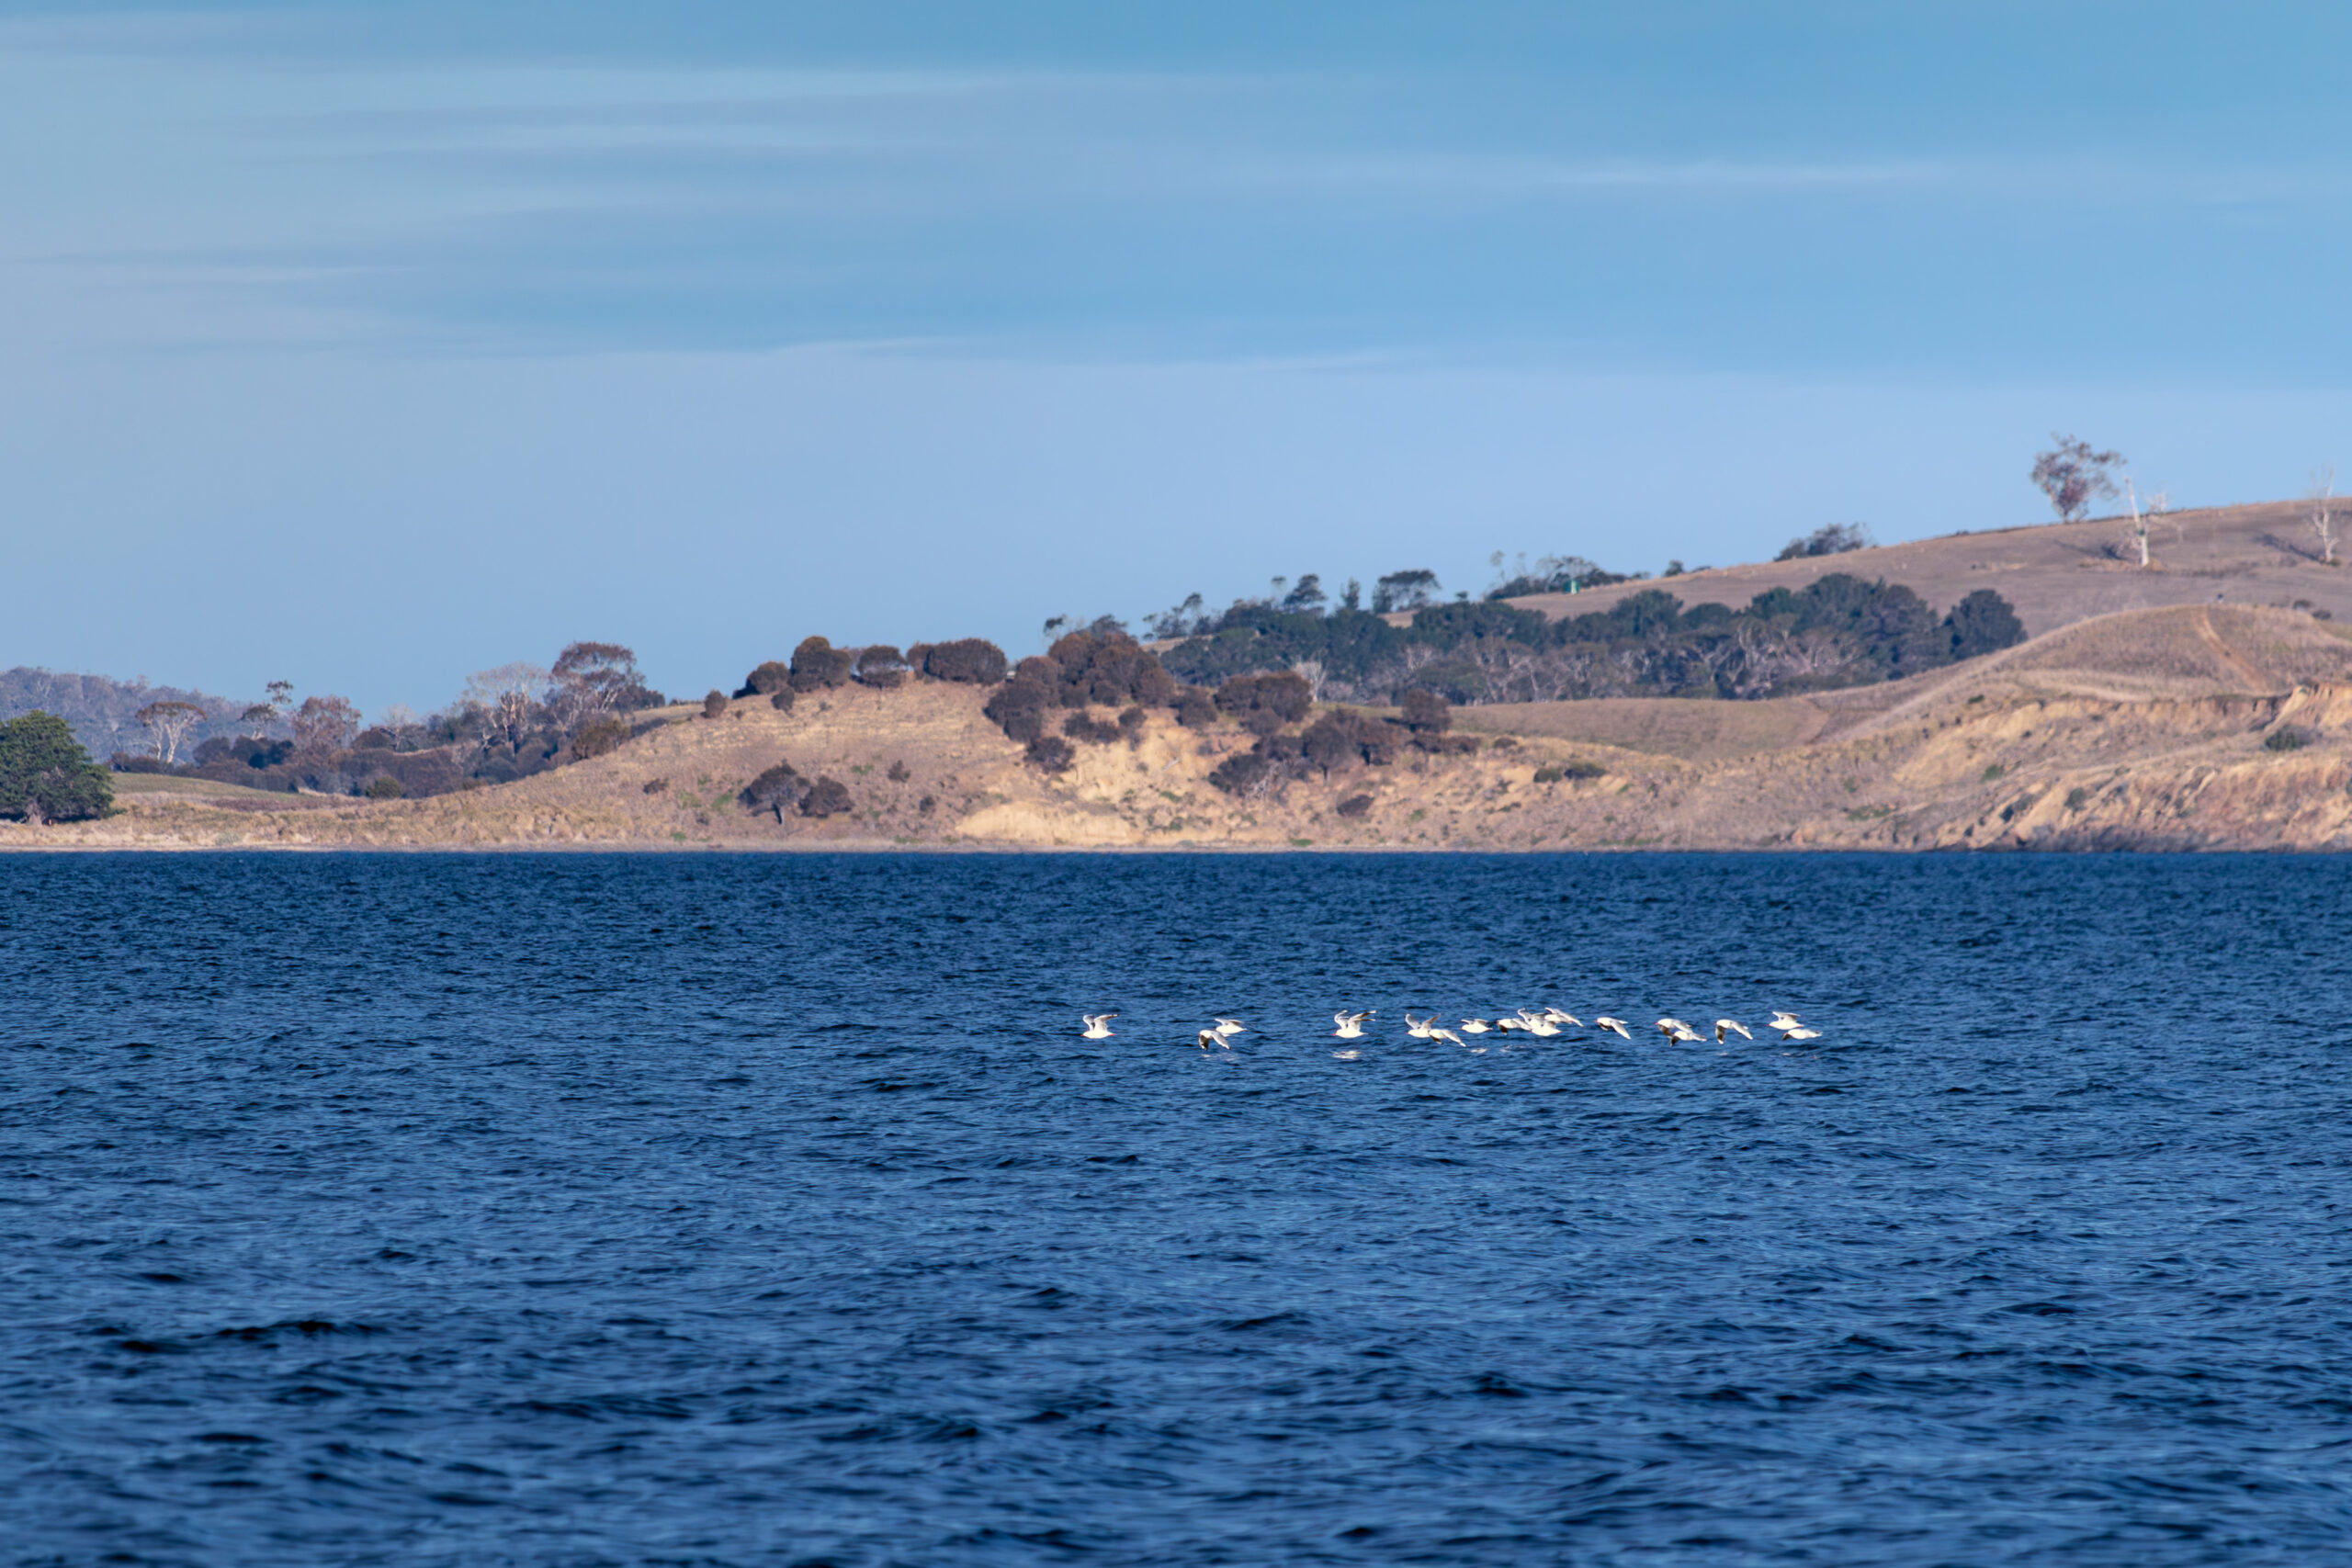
599 735
779 789
826 797
881 666
1052 753
593 677
1403 590
713 704
1351 596
1264 704
767 680
1983 622
1426 713
2071 473
970 661
1829 539
1308 596
46 776
2323 512
324 726
818 665
504 702
170 723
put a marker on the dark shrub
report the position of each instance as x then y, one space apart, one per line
880 666
927 805
1337 739
383 786
1019 708
1355 806
596 739
1426 713
1447 745
655 786
2286 738
45 776
1196 708
1245 772
972 660
1052 753
1829 539
899 772
1983 622
770 678
715 705
1039 668
818 665
1266 702
826 797
138 762
778 789
1084 726
782 699
1131 725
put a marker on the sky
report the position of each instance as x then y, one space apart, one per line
367 344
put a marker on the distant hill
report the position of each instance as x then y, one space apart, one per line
103 712
2055 574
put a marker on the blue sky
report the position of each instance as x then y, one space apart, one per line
370 345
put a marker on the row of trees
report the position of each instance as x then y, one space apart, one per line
1839 630
509 722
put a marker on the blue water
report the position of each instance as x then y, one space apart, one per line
583 1210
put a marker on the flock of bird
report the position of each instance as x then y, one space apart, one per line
1543 1023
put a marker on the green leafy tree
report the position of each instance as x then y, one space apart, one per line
46 776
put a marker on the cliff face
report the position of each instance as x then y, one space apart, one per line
2153 729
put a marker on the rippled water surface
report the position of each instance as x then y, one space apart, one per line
767 1209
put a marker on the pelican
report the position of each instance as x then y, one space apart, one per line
1667 1026
1446 1034
1226 1028
1614 1025
1798 1032
1418 1025
1351 1023
1724 1026
1683 1034
1474 1026
1098 1025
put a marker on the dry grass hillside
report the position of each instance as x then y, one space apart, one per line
2177 728
2059 574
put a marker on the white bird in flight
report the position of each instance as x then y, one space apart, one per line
1557 1016
1351 1023
1667 1026
1537 1023
1798 1032
1614 1025
1731 1026
1683 1034
1098 1025
1419 1025
1226 1028
1783 1021
1474 1026
1446 1034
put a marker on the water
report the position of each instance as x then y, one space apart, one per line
766 1210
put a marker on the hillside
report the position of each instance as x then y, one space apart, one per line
2170 728
2055 574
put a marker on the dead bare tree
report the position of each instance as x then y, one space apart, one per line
2138 534
2322 495
169 723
